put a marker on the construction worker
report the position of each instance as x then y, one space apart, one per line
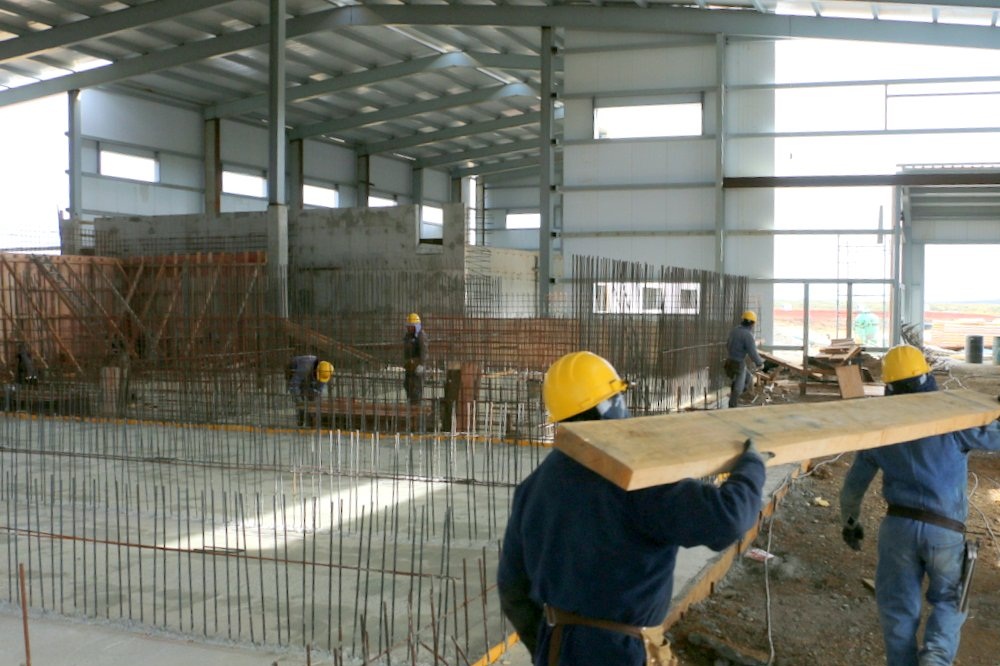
586 569
740 345
414 358
307 376
923 533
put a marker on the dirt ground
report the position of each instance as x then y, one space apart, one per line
814 601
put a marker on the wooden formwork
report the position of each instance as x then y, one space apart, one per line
76 314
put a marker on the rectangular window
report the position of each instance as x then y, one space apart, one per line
524 220
647 297
323 197
127 165
246 184
380 202
648 120
432 215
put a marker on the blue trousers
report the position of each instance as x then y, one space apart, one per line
909 550
739 385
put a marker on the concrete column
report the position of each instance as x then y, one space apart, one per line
277 258
213 166
417 194
720 154
296 177
69 229
546 165
276 105
480 211
75 156
364 180
457 194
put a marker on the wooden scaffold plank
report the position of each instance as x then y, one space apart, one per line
653 450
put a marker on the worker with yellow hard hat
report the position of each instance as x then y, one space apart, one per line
739 346
922 537
586 568
415 349
307 375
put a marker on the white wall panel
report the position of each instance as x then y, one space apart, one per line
638 162
236 204
244 145
955 231
751 208
750 62
578 122
750 111
749 157
110 196
518 239
641 69
180 170
683 252
512 197
392 176
437 185
140 122
327 162
645 210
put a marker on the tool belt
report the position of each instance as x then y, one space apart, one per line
657 647
731 368
925 517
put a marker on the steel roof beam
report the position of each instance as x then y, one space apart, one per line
495 167
477 153
100 26
684 20
632 19
414 109
420 139
371 76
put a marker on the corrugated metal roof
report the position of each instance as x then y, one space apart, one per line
390 77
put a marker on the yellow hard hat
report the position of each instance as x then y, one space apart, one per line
324 371
578 381
413 318
903 362
750 316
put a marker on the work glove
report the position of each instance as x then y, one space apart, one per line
853 533
750 447
419 370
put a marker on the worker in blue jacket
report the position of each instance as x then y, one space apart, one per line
741 344
923 533
586 569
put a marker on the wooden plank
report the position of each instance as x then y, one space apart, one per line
849 381
653 450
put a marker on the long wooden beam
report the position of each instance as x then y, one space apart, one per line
648 451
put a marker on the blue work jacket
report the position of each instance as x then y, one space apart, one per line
740 344
930 473
582 544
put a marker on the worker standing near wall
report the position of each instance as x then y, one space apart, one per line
586 570
414 358
740 345
923 533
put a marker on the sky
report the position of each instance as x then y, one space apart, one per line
34 185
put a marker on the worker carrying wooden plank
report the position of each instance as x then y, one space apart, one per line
922 536
586 569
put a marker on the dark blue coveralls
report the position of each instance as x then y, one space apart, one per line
580 543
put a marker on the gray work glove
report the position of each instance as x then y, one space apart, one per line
853 533
750 447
